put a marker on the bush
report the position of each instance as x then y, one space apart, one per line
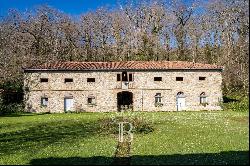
11 98
236 103
11 108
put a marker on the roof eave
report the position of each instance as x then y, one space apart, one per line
26 70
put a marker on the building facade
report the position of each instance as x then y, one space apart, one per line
114 86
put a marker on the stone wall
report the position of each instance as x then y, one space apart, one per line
106 87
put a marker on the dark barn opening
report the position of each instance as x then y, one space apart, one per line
124 99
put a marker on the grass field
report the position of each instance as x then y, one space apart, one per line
207 137
26 138
194 138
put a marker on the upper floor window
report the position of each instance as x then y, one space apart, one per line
68 80
157 78
90 79
202 78
125 76
44 79
44 101
179 78
130 77
118 78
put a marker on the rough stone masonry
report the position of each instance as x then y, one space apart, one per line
115 86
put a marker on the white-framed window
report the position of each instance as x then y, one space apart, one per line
44 101
203 98
158 100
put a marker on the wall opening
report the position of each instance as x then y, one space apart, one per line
157 78
90 79
68 104
124 100
44 79
179 78
124 76
180 101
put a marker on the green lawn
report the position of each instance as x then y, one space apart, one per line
216 137
27 138
207 137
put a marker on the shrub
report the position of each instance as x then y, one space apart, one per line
236 103
11 108
11 98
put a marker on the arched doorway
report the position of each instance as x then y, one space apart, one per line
124 99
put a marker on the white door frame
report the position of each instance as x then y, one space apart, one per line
68 104
180 103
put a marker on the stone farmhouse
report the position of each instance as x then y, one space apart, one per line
130 85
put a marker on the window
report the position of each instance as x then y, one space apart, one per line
203 98
124 76
130 77
91 100
118 77
202 78
158 100
90 79
179 78
44 79
68 80
44 101
157 78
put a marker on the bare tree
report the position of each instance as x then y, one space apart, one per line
214 32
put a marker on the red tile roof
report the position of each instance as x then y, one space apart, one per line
130 65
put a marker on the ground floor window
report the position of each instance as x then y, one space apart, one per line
91 100
158 100
44 101
203 99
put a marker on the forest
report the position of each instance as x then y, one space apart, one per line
213 32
